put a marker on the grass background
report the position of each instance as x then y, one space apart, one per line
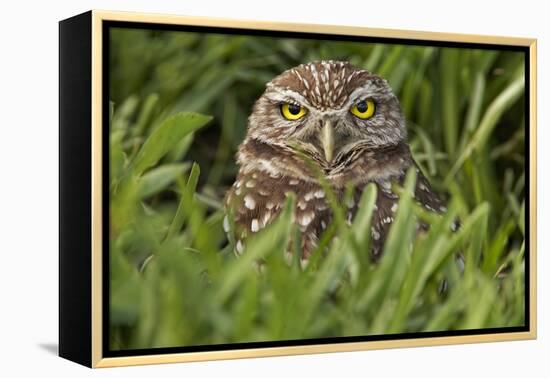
179 104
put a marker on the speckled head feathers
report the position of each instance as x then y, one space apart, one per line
328 84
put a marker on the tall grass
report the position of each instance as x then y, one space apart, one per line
180 102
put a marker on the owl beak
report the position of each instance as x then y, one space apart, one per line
327 140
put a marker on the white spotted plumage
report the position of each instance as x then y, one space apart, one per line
249 202
374 150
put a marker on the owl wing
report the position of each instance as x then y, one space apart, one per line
425 195
253 201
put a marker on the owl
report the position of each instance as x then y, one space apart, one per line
345 120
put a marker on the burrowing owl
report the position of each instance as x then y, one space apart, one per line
348 122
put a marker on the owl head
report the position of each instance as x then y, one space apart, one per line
329 109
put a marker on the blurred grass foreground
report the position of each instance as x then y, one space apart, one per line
179 107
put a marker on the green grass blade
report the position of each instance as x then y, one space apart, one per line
396 257
185 202
157 179
510 95
165 137
275 235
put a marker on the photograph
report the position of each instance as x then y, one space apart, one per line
270 188
275 189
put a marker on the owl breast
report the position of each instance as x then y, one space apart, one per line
258 197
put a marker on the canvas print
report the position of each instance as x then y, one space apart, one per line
288 189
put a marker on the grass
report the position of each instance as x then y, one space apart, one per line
177 118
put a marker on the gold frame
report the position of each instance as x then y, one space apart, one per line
97 356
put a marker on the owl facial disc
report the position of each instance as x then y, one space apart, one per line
330 110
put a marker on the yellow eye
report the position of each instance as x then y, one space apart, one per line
363 109
292 111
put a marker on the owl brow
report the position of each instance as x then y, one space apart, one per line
286 95
368 90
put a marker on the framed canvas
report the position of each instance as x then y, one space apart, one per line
235 189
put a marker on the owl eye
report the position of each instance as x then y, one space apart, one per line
363 109
292 111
